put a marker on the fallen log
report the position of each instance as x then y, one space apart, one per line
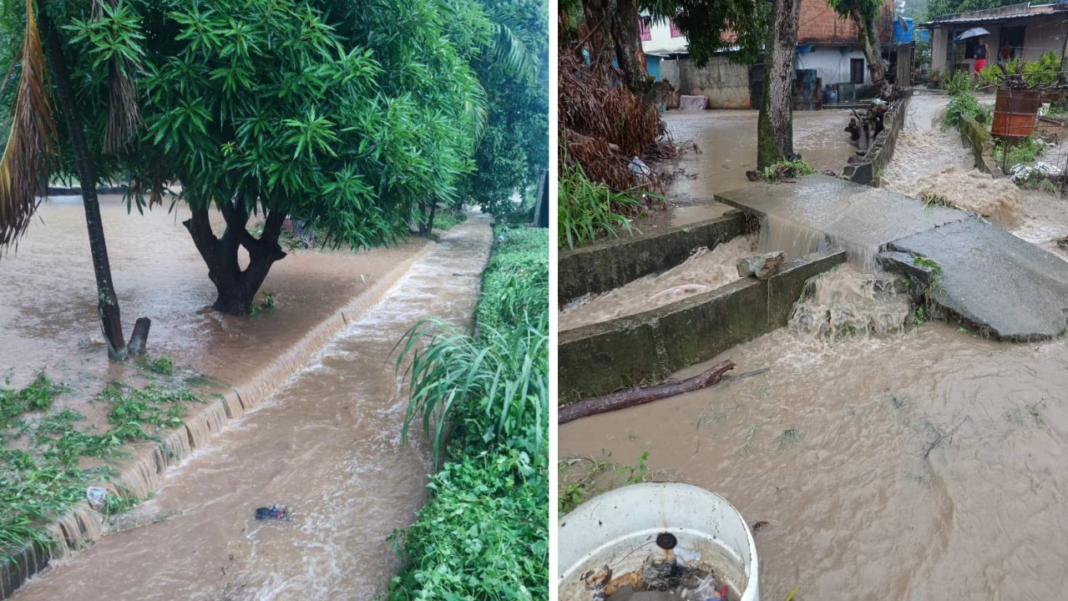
639 396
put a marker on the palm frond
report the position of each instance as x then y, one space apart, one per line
29 140
124 113
509 50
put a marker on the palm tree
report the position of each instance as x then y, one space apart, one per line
31 142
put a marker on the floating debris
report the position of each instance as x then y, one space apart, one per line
274 512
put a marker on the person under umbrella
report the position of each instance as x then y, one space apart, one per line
981 52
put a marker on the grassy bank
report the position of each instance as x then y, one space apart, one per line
484 531
49 456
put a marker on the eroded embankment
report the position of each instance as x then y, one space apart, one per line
48 315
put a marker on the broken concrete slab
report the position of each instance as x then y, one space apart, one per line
988 277
761 266
693 103
648 347
992 279
601 268
819 210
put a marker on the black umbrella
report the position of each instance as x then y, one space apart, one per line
971 33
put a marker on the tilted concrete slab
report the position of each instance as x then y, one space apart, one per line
857 218
995 280
989 278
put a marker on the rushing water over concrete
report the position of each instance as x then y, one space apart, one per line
916 467
327 445
704 271
817 210
848 303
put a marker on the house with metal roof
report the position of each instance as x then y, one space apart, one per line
826 44
1020 30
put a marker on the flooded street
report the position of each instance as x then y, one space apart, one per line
727 139
921 466
48 301
890 458
327 445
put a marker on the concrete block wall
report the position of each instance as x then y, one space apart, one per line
726 84
881 150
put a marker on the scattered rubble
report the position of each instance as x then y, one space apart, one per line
762 266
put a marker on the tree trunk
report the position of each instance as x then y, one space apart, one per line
639 396
628 44
775 126
430 218
107 301
236 287
869 41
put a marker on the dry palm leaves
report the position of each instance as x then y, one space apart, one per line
124 114
29 139
606 125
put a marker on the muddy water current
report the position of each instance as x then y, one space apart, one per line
327 445
889 460
704 271
923 466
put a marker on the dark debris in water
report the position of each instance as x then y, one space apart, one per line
274 512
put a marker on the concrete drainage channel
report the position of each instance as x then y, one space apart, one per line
648 347
952 259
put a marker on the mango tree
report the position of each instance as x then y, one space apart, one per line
349 118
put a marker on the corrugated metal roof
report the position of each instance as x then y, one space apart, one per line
999 14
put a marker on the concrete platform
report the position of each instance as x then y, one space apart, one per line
993 279
857 218
988 278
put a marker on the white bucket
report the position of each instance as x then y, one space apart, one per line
622 528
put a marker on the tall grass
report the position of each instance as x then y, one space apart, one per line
496 385
588 209
484 532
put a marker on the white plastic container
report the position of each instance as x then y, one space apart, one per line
622 528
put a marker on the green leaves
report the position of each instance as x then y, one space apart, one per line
115 35
312 133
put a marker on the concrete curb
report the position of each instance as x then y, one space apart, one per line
602 268
647 348
974 135
882 149
143 472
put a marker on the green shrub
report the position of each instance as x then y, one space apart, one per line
449 218
1025 151
959 83
588 209
786 169
964 105
483 535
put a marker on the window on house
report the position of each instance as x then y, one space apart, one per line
645 30
675 31
856 70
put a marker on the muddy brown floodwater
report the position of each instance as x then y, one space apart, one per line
48 297
893 461
727 140
704 271
923 466
327 445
